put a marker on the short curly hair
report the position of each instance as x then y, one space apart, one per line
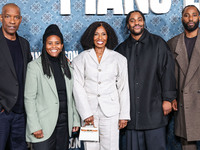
87 40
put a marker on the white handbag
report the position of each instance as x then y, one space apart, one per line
89 133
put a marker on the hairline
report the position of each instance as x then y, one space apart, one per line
183 11
13 5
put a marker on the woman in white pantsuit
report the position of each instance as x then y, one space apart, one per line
101 85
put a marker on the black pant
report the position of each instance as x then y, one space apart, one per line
146 139
59 140
12 131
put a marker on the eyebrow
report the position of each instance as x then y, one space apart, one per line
192 13
137 18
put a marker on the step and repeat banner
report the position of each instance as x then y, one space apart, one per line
163 17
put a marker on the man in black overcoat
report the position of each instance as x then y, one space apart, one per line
152 85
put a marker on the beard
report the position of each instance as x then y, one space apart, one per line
136 33
190 29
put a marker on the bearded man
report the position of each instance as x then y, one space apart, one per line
186 52
152 85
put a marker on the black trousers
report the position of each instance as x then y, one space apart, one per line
146 139
12 131
59 140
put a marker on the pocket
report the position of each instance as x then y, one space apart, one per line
114 96
1 109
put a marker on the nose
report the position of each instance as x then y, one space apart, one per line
190 17
12 20
100 37
54 45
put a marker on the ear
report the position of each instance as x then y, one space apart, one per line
20 19
127 26
1 17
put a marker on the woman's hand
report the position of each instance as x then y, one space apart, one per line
38 134
75 129
89 120
122 124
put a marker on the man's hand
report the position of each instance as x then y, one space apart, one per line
167 107
174 105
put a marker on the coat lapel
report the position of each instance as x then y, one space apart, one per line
52 84
93 55
23 48
194 61
51 81
182 57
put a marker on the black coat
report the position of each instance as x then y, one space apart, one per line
8 79
151 80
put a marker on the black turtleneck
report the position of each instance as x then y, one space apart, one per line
60 83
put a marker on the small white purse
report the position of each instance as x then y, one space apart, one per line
89 133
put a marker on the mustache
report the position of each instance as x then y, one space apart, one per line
191 22
137 25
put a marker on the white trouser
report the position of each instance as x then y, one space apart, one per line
108 132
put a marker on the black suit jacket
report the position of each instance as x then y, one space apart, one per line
8 78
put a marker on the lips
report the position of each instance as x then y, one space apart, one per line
191 24
99 42
11 27
54 50
137 27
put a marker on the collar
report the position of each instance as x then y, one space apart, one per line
143 39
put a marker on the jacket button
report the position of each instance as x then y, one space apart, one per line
99 82
98 95
99 70
15 97
198 91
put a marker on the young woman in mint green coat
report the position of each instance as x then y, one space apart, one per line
49 104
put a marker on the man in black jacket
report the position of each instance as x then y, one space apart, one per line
15 54
152 85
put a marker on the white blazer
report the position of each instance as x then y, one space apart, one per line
104 84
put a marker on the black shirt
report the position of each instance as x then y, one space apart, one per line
17 57
190 42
